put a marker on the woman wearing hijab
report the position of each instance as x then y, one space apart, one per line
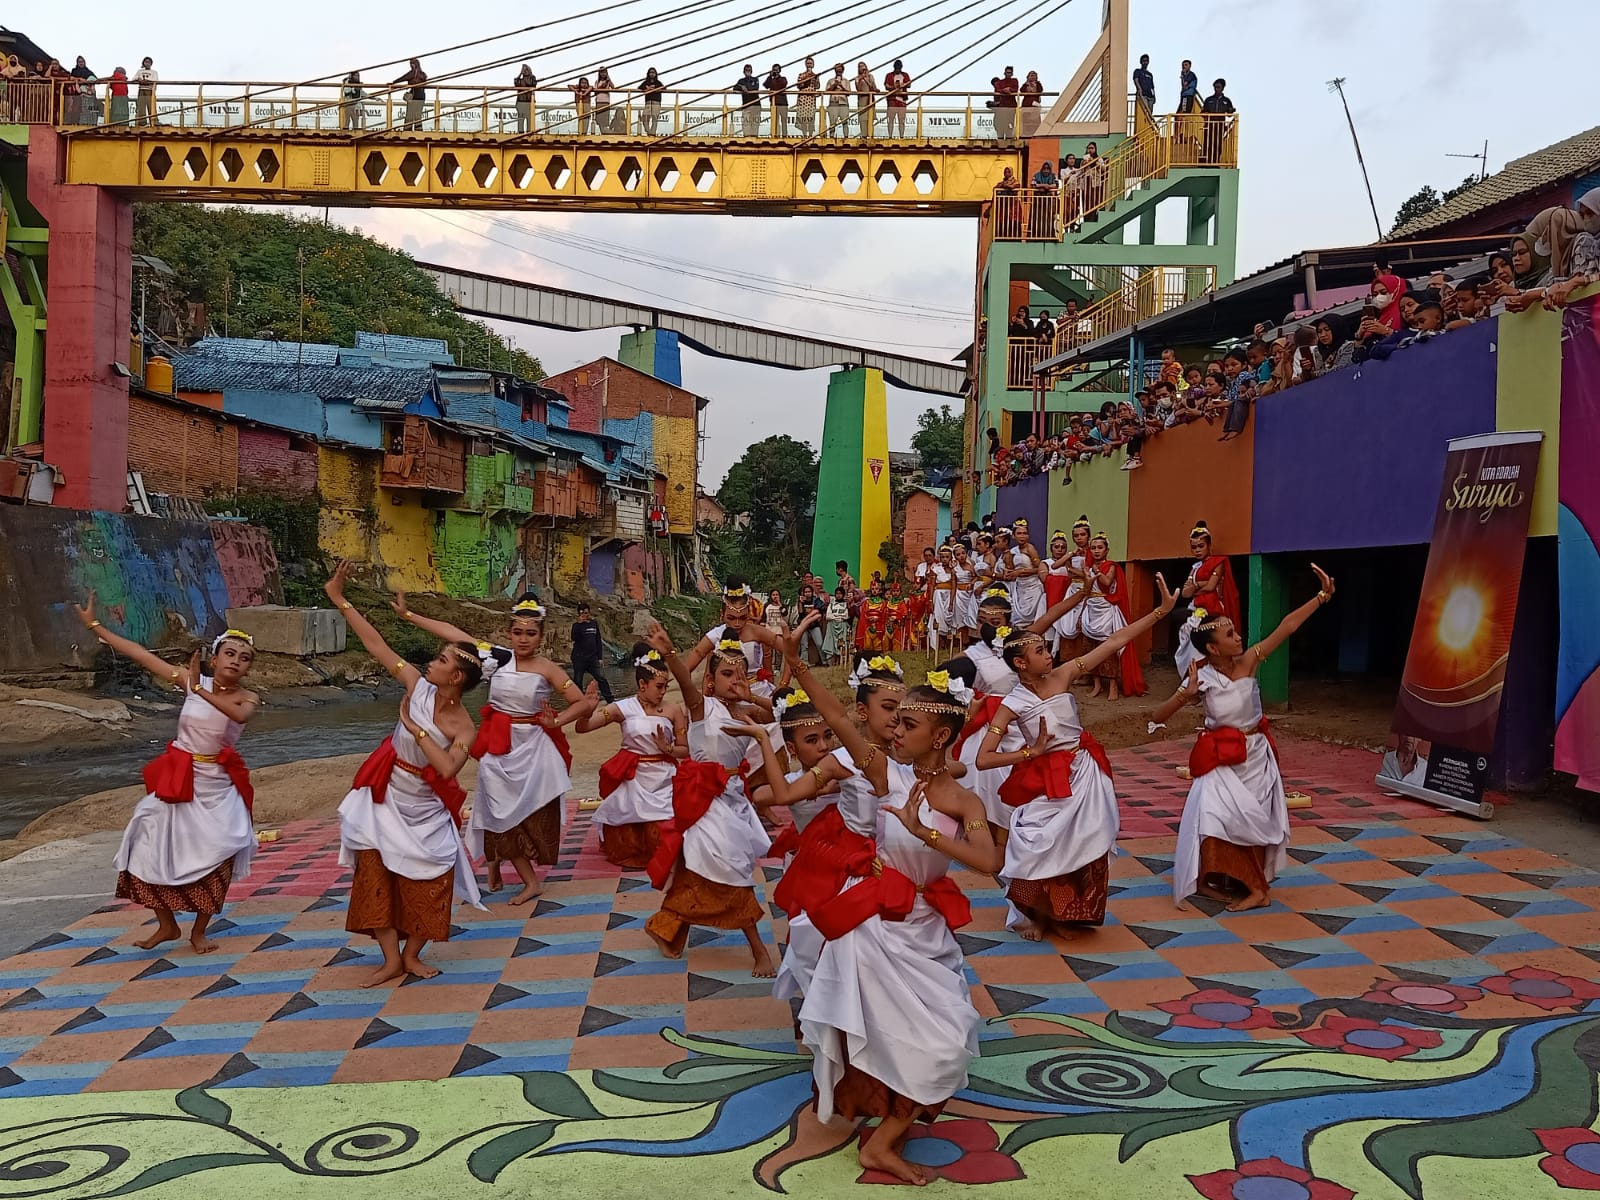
1582 254
1554 236
1334 349
1531 268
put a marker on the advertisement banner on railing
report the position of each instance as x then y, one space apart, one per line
1578 526
1449 705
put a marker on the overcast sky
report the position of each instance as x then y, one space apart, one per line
1427 79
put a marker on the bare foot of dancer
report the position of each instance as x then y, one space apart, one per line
166 930
1252 899
1029 930
529 893
387 973
663 945
415 966
1212 892
876 1154
495 878
761 965
201 943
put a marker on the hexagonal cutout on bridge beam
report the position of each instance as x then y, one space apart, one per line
557 173
813 176
159 163
521 171
666 174
267 166
412 168
925 178
851 177
630 174
703 175
887 177
195 164
448 169
594 172
375 168
231 164
485 171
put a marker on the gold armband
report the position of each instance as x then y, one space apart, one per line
422 735
398 667
976 824
345 604
997 731
818 774
96 624
872 755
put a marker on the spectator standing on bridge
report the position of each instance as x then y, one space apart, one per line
1004 104
415 94
588 651
1032 90
88 103
523 86
1217 109
351 95
777 86
806 86
1046 202
866 96
1144 86
897 96
604 113
117 88
146 79
1188 88
749 90
838 103
653 89
581 92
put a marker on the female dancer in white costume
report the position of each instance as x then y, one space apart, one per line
1234 836
706 860
1105 613
1069 641
887 1013
636 781
399 825
524 759
966 597
1064 817
191 836
941 583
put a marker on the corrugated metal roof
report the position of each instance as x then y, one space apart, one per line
208 373
1576 155
432 349
259 350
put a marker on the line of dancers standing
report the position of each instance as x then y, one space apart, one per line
987 764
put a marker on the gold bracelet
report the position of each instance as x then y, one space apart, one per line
1323 597
96 624
933 837
398 667
1027 752
176 675
344 604
422 735
997 731
1078 662
818 774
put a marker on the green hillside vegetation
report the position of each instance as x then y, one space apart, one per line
243 265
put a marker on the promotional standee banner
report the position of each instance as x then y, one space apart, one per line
1444 721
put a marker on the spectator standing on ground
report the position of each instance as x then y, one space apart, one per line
88 104
773 618
897 95
749 92
866 96
838 103
415 93
588 651
1144 86
777 85
1006 89
653 90
146 79
350 97
806 86
1031 91
524 84
1217 109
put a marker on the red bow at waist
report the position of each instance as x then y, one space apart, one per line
786 843
494 734
623 766
694 786
380 766
889 894
827 853
1051 774
1225 746
170 775
978 721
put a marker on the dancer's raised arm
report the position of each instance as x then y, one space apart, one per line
1258 653
369 637
1086 663
869 760
158 667
443 630
693 699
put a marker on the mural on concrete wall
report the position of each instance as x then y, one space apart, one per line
1578 666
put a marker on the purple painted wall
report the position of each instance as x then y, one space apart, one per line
603 571
1354 459
1031 499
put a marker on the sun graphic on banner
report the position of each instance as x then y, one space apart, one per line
1461 618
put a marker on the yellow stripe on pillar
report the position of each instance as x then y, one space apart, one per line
876 521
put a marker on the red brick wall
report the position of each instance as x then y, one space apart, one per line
271 460
622 391
922 525
182 452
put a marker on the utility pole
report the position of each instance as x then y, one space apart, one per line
1481 158
1337 85
300 337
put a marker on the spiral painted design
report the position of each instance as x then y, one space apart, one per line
346 1151
1094 1077
47 1169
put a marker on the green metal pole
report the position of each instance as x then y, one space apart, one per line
1269 604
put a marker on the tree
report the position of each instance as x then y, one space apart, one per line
939 437
1426 200
774 484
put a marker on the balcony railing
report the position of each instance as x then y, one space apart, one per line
1142 295
475 109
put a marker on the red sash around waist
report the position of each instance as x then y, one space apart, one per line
494 734
623 766
170 775
380 766
694 786
889 894
978 721
1225 746
1055 589
1051 774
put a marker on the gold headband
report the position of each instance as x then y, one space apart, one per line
1082 523
1024 637
933 706
463 655
1020 523
1200 531
800 722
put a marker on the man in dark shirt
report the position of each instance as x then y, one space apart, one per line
1217 109
1006 89
749 89
1144 85
588 651
777 85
